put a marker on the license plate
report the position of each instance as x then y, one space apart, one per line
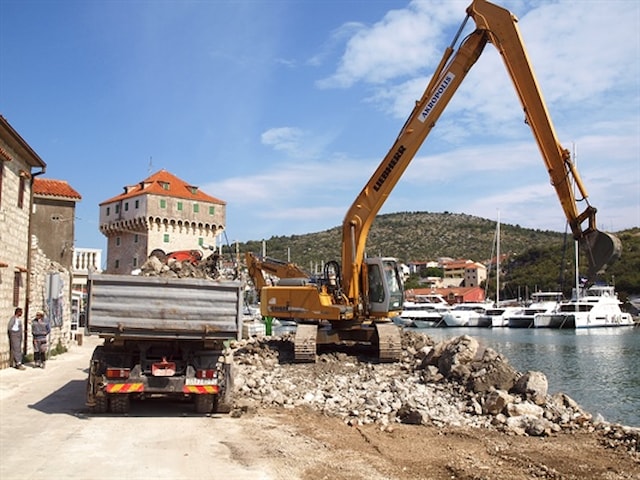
200 381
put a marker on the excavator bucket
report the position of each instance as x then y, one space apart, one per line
602 249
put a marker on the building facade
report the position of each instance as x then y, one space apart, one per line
160 212
465 273
18 165
53 226
85 262
54 210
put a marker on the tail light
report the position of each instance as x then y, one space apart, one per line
118 372
210 373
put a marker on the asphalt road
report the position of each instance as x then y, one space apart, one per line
47 432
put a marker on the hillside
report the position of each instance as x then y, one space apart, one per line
535 256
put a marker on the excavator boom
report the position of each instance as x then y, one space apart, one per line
499 27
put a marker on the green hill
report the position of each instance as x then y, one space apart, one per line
535 257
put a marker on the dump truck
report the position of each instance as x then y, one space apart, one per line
162 337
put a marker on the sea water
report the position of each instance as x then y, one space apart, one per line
599 368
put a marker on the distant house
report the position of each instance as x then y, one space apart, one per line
160 212
466 272
454 295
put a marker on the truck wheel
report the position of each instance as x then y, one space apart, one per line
120 403
204 403
223 401
98 402
219 406
101 406
159 254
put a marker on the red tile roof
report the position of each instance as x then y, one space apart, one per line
54 188
155 184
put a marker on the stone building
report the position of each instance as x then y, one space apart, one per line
54 209
53 228
160 212
19 163
465 273
37 218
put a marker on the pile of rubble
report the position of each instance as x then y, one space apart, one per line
207 267
454 382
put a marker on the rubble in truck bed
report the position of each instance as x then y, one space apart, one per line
206 268
455 382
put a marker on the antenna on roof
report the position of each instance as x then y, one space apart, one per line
150 165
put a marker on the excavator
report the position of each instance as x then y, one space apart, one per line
355 301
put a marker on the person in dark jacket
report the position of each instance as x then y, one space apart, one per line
40 330
15 329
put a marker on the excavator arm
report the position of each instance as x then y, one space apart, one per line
277 268
497 26
502 30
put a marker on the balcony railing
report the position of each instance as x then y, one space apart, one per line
86 260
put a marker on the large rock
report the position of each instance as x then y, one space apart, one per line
533 386
496 402
492 372
456 354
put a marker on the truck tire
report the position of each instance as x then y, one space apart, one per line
223 401
101 405
120 403
159 254
97 401
219 406
204 403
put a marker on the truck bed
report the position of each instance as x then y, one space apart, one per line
159 307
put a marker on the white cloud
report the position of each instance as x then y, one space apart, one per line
403 42
284 139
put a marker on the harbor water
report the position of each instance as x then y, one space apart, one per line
599 368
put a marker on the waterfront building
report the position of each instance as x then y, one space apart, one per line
160 212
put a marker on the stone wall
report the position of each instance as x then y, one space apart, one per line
41 267
14 234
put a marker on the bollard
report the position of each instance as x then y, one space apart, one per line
267 325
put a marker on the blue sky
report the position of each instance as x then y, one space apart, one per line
285 108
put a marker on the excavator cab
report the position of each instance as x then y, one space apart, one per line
385 290
602 249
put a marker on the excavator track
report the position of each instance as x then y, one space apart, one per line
305 343
389 342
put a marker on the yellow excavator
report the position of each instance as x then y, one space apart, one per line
356 300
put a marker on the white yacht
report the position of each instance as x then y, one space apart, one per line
499 316
542 302
597 307
425 311
467 315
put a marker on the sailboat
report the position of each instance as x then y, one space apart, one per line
499 314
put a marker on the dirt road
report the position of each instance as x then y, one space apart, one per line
47 432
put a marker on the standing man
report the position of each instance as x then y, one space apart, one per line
15 331
40 329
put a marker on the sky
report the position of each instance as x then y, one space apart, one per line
285 108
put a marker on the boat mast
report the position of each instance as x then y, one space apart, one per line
577 253
498 261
